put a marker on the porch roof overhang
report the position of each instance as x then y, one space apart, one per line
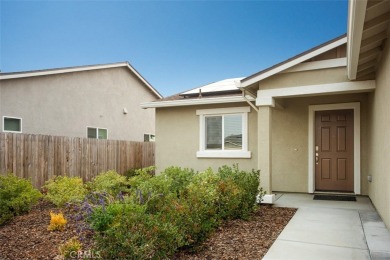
368 30
267 97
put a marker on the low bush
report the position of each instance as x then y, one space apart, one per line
110 182
70 249
238 190
140 176
128 232
57 222
17 196
63 189
178 207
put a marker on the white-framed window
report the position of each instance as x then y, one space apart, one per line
97 133
223 133
12 124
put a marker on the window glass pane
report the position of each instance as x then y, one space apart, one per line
214 132
102 133
92 132
12 124
233 132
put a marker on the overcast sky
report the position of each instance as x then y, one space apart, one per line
175 45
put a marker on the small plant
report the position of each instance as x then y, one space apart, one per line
57 222
63 189
17 196
71 248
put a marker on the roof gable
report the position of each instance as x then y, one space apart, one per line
305 56
35 73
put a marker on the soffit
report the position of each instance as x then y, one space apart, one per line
374 36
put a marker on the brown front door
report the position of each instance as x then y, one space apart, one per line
334 150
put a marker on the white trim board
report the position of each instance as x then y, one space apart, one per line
356 17
249 81
356 153
196 101
265 96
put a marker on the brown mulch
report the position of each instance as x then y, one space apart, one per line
239 239
27 237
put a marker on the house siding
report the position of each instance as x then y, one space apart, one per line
65 104
379 139
177 139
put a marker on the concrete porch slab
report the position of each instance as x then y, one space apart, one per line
283 249
330 230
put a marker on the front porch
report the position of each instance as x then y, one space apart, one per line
288 150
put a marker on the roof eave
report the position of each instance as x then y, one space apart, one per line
356 16
78 69
194 102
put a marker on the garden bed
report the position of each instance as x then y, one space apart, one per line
27 237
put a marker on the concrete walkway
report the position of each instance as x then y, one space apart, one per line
330 230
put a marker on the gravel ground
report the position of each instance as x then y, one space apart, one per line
27 237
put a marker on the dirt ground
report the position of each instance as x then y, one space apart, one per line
27 237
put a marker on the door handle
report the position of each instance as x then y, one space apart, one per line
316 154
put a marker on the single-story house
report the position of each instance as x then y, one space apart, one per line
97 101
318 122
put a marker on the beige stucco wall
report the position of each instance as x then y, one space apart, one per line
379 139
304 78
290 141
65 104
177 139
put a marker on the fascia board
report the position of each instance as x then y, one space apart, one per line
193 102
356 16
60 71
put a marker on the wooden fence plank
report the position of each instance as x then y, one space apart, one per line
41 157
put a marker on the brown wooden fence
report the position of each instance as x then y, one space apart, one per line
41 157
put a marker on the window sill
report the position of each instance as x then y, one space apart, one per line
12 132
223 154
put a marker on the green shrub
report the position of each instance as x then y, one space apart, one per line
140 176
63 189
111 182
180 178
176 208
126 231
243 186
17 196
